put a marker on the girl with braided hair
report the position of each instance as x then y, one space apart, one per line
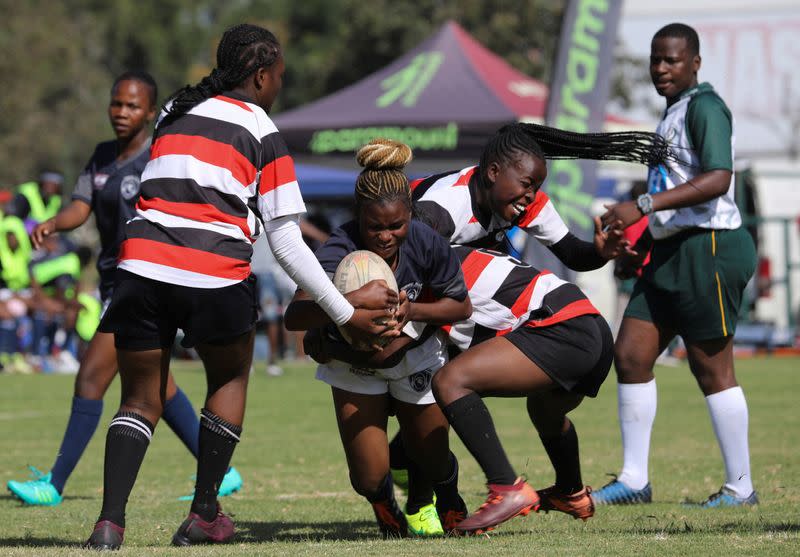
219 175
476 206
109 188
368 387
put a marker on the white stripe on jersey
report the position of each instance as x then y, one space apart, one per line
174 275
229 112
284 200
461 333
185 167
172 221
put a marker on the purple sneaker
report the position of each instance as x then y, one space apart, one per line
195 530
106 536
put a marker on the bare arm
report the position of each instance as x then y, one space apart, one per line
68 218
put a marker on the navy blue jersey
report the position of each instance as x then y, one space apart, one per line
111 187
427 268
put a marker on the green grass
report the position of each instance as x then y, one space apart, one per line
297 498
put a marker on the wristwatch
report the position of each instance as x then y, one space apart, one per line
645 203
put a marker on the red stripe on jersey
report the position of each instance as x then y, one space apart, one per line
463 180
575 309
521 304
187 259
446 328
277 173
238 103
472 219
532 211
201 212
473 266
414 183
207 150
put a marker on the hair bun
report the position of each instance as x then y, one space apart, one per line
384 154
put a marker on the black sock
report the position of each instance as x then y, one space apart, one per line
447 490
128 436
217 441
420 489
563 453
398 459
385 491
471 419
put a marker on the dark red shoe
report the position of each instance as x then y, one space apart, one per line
578 505
451 516
195 530
503 503
106 536
391 520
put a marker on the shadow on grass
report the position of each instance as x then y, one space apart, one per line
36 542
651 525
305 531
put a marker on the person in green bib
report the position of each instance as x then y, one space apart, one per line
701 260
38 201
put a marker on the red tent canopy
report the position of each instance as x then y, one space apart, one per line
443 98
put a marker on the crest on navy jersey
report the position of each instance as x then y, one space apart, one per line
412 290
421 381
129 188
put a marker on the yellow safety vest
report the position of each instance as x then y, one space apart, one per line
14 262
88 316
39 211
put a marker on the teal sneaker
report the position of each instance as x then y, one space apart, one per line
425 523
617 493
231 483
38 491
727 498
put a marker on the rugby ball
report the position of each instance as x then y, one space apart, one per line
354 271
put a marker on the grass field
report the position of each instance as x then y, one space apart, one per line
297 499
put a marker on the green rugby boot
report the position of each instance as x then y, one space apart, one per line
425 523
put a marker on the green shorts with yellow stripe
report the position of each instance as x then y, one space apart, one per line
694 282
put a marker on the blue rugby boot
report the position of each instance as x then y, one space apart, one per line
617 493
38 491
231 483
727 498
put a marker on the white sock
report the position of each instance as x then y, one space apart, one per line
636 405
728 411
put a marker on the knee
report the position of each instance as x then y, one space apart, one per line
630 365
367 485
447 385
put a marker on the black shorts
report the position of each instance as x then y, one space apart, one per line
576 353
145 314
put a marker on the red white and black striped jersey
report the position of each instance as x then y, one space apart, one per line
507 294
447 203
215 175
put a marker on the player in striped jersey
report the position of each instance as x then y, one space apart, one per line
554 348
108 188
476 206
218 175
433 292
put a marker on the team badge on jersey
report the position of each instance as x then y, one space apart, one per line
129 187
421 381
100 181
412 290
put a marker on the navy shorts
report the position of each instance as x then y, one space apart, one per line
145 314
577 353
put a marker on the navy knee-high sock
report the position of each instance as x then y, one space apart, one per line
81 426
181 418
